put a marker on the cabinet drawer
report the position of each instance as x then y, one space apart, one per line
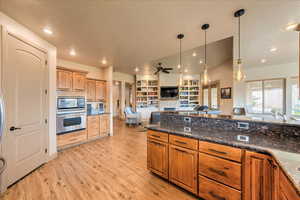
211 190
164 137
184 142
221 170
221 151
71 138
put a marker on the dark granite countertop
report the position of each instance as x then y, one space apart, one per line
235 117
105 113
285 151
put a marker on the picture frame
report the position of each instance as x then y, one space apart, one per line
226 93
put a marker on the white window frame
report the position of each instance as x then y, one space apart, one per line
263 95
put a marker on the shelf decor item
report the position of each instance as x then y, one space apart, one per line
226 93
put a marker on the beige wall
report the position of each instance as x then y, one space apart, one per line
119 76
224 74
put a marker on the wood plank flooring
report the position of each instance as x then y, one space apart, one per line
112 168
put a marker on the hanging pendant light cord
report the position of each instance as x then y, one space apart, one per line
205 49
239 37
180 53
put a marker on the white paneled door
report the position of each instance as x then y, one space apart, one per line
24 83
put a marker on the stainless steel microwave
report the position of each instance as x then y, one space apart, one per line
64 103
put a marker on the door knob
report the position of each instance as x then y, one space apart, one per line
14 128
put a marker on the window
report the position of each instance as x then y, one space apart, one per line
205 97
266 96
210 95
214 98
295 98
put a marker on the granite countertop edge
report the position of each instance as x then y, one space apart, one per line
279 155
105 113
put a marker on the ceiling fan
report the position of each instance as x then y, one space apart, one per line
160 68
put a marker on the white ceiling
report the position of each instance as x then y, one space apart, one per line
131 33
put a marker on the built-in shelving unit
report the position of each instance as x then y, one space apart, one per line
147 93
189 93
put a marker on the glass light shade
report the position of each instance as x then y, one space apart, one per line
180 79
205 77
239 74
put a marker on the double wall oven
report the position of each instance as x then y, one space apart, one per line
71 114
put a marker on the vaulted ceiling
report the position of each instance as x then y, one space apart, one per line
131 33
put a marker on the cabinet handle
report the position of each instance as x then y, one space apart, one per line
180 150
272 164
157 136
216 196
180 142
219 172
216 151
156 143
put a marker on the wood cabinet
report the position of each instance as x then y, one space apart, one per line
221 170
212 190
104 124
258 176
93 126
79 81
285 189
71 138
96 90
217 172
64 79
100 90
68 80
157 157
90 90
183 167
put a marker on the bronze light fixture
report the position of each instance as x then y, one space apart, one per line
239 74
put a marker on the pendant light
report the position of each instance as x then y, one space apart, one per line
205 72
180 37
239 73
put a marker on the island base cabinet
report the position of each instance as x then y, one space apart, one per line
212 190
183 167
157 157
258 177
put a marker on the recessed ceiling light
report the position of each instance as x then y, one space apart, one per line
186 70
263 60
73 52
104 61
200 61
47 31
136 69
178 66
273 49
291 26
194 54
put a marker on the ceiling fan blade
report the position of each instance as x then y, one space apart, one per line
167 72
168 68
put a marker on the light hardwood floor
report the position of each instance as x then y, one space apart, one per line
110 168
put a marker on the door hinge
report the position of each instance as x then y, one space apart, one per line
46 121
46 150
46 62
46 91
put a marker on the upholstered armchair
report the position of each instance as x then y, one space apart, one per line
131 117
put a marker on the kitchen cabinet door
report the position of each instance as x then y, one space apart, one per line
286 190
104 125
258 177
93 126
79 80
100 90
91 90
157 157
64 79
183 166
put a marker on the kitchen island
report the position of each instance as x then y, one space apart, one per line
222 157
